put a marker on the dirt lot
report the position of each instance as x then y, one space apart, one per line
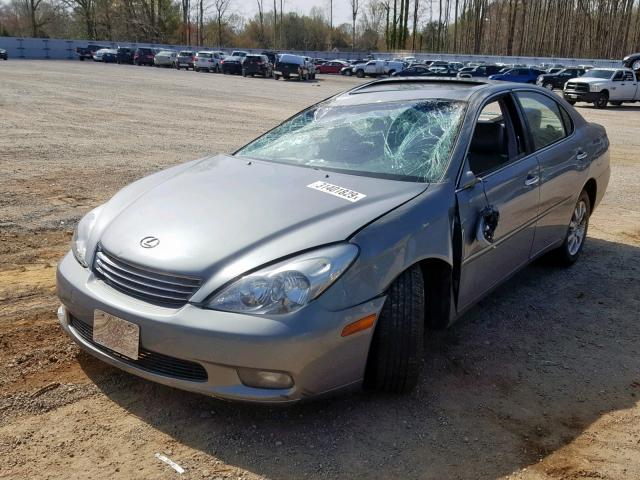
541 380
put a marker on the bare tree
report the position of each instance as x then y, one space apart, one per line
355 5
261 39
221 8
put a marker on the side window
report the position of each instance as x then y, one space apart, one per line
618 76
544 118
492 140
628 76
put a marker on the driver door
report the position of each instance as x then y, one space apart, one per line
507 180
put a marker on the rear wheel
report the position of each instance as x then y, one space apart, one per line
616 103
395 356
276 77
571 248
602 100
571 102
360 73
548 86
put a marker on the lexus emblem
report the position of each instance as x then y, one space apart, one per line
149 242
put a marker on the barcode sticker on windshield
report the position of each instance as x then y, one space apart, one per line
337 191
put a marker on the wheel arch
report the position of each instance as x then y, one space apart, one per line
591 187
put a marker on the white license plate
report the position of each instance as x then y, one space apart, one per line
571 95
116 334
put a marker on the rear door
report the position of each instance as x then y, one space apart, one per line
629 86
563 163
508 184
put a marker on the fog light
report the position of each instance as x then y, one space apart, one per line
264 378
62 314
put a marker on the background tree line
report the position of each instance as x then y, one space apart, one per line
571 28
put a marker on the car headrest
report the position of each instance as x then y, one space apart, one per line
534 117
488 137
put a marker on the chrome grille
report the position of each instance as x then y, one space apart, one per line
140 282
577 87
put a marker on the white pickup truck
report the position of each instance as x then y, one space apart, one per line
374 68
603 86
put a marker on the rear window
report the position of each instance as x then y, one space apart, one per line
404 140
205 55
186 53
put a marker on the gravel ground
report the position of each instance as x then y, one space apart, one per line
541 380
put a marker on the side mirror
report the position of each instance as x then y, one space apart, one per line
468 180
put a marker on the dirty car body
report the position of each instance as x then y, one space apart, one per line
267 275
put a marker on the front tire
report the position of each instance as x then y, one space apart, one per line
602 100
548 86
616 103
360 74
567 254
395 357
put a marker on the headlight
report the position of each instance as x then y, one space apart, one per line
81 235
288 285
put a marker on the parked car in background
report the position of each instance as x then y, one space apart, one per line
603 86
289 66
97 57
110 55
186 59
272 56
239 53
519 75
3 54
208 61
632 61
317 256
256 65
231 65
124 55
311 66
349 69
165 58
375 68
89 51
480 71
334 66
413 71
558 79
144 56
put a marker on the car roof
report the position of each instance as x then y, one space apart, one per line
414 88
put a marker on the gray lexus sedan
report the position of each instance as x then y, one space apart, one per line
316 257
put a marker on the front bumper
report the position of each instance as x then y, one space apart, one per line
579 96
307 344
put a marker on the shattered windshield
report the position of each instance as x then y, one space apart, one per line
407 140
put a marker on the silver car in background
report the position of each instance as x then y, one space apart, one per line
208 61
318 256
165 58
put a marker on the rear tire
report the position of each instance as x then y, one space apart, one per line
567 254
360 74
395 356
571 102
616 103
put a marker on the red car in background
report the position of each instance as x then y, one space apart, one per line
333 66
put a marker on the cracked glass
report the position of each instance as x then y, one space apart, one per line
404 140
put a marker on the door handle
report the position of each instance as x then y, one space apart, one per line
531 180
581 155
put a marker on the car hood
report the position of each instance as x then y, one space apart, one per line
222 216
588 80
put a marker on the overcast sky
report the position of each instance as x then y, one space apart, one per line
341 8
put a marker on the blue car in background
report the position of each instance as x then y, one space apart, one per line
519 75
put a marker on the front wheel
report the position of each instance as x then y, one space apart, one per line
276 77
602 100
616 103
570 249
360 74
548 86
571 102
395 356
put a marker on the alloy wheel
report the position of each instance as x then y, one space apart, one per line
577 228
